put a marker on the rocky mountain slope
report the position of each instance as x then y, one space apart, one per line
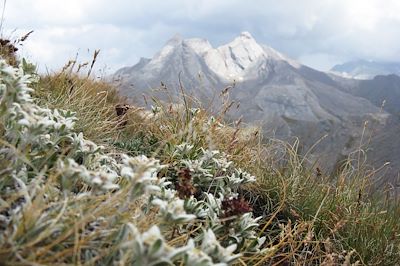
383 91
284 97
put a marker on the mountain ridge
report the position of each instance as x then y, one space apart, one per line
286 98
364 69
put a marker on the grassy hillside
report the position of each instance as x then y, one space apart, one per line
80 184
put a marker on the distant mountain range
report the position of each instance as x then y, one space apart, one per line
362 69
286 98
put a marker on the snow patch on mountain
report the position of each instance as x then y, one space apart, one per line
233 61
159 58
200 46
285 98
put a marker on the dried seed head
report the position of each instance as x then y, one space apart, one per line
236 206
184 186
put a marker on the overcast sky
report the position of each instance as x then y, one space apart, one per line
319 33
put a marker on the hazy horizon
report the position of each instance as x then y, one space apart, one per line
319 34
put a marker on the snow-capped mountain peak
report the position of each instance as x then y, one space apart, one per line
230 61
235 60
246 34
197 45
242 51
200 46
175 40
160 57
285 98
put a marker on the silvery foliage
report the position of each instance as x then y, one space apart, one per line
150 248
40 140
216 177
171 207
37 132
212 169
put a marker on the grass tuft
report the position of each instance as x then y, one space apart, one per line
306 217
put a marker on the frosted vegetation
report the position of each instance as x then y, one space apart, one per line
81 185
41 144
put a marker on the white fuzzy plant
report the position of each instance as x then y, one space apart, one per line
32 133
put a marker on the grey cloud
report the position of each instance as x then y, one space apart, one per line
317 31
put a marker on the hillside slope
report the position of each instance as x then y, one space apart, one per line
269 89
174 186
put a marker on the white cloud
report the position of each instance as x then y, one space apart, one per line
322 61
317 31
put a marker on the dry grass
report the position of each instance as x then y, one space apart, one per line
93 101
308 218
326 219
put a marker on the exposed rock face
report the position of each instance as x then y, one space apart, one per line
286 98
382 91
178 59
241 58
